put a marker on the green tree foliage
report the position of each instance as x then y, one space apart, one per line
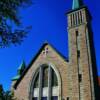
1 93
9 12
6 95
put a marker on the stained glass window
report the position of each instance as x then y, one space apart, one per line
35 98
44 73
54 79
54 98
45 76
36 82
67 98
44 98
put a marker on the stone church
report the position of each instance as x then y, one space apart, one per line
50 76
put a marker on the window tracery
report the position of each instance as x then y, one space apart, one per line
41 90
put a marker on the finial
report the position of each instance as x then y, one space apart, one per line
20 71
77 4
22 66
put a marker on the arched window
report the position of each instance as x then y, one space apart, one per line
36 84
45 85
45 77
54 79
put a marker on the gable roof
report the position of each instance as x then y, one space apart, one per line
32 61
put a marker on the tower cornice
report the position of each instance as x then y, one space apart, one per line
82 7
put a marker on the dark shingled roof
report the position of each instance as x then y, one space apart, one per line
27 68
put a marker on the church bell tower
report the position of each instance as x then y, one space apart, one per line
83 73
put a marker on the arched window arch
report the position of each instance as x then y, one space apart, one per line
45 84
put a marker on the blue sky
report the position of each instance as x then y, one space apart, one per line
49 23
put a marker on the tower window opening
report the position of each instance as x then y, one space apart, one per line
77 40
73 19
78 53
45 77
80 17
80 77
71 23
77 33
76 18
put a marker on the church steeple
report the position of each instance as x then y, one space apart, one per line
77 4
19 71
81 53
78 15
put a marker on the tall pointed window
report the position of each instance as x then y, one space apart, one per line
45 76
36 84
54 79
45 85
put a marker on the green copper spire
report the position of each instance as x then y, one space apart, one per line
22 65
77 4
21 68
19 71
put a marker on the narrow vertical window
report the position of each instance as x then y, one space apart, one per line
78 53
77 34
45 77
80 77
78 40
71 20
76 18
80 16
54 79
36 81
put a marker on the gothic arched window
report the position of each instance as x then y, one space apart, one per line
45 76
45 85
